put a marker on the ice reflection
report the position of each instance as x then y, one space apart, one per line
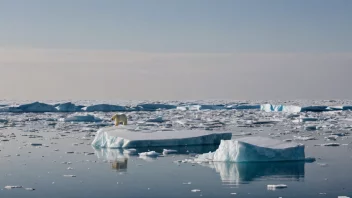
237 173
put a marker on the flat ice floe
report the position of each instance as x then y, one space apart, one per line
255 149
125 137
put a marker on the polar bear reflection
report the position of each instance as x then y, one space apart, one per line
246 172
120 164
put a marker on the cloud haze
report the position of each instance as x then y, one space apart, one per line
42 74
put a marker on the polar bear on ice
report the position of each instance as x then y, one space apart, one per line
119 118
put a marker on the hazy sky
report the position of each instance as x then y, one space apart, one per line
175 49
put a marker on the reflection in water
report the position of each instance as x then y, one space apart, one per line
120 164
112 154
245 172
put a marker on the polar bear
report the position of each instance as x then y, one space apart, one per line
119 118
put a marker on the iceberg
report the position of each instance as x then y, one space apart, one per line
68 107
280 108
124 137
105 108
255 149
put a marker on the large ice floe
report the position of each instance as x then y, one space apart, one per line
255 149
127 137
280 108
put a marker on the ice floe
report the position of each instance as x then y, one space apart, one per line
122 137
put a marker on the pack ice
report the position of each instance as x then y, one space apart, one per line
280 108
254 149
126 137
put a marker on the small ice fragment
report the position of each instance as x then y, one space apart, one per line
89 153
233 193
195 190
278 186
70 152
69 168
167 151
342 197
36 144
330 144
29 189
187 183
150 154
69 175
11 187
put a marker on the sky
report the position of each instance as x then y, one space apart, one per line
175 49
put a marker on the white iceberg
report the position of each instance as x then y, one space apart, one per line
280 108
124 137
255 149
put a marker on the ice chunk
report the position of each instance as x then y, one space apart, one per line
276 186
68 107
124 137
81 118
11 187
149 154
280 108
168 151
255 149
105 108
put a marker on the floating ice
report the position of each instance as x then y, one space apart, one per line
123 137
255 149
11 187
280 108
158 120
105 108
69 175
81 118
149 154
68 107
168 151
277 186
153 107
244 106
33 107
315 108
